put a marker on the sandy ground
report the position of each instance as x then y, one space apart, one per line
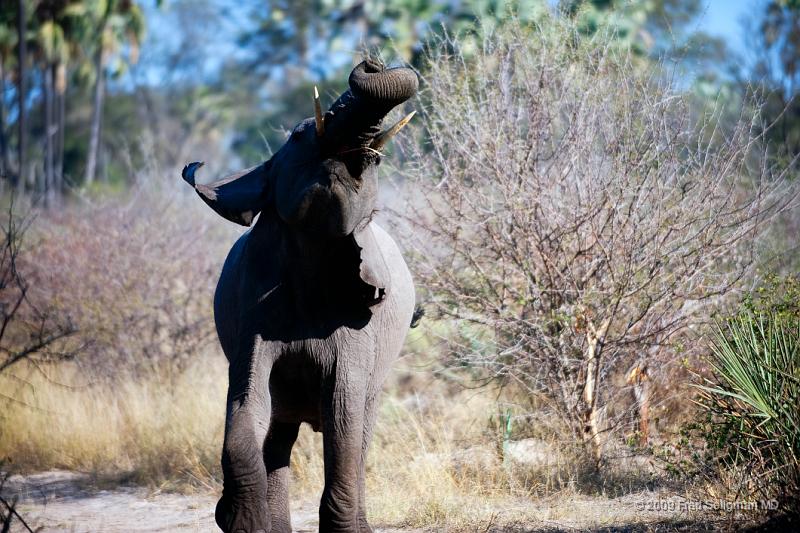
67 501
59 501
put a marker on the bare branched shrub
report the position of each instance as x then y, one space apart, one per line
136 275
29 332
576 218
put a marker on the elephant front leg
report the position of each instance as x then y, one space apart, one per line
243 505
342 435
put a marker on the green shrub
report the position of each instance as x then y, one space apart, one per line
753 396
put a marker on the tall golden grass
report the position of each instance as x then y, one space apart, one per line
435 459
157 430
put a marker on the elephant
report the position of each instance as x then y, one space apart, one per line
312 306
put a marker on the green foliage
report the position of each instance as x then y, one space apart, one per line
776 295
649 29
777 74
287 33
300 50
288 44
753 397
624 20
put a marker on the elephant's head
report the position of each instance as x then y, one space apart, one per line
323 180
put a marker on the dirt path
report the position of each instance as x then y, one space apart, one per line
59 501
67 501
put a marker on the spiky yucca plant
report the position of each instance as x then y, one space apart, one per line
754 397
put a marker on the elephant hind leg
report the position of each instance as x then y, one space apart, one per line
277 455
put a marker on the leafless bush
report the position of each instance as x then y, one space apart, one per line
28 331
575 217
135 275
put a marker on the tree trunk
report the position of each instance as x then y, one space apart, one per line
22 122
591 424
640 381
5 171
48 174
59 77
97 117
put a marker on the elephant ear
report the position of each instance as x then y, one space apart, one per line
238 197
373 270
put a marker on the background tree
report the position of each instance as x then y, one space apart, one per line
62 31
247 98
776 70
8 41
291 51
116 22
22 75
51 52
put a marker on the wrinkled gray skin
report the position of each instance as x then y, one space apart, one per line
312 307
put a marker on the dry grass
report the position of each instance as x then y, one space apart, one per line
436 458
418 472
157 430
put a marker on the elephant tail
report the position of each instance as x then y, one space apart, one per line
419 312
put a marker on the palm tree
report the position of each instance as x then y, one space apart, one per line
22 121
50 51
8 40
118 23
61 30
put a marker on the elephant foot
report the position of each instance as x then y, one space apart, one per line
363 526
279 526
359 525
239 518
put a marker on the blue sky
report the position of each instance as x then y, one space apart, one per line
724 18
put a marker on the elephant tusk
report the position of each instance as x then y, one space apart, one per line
318 121
385 136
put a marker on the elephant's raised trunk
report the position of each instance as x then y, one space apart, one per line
382 88
354 120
